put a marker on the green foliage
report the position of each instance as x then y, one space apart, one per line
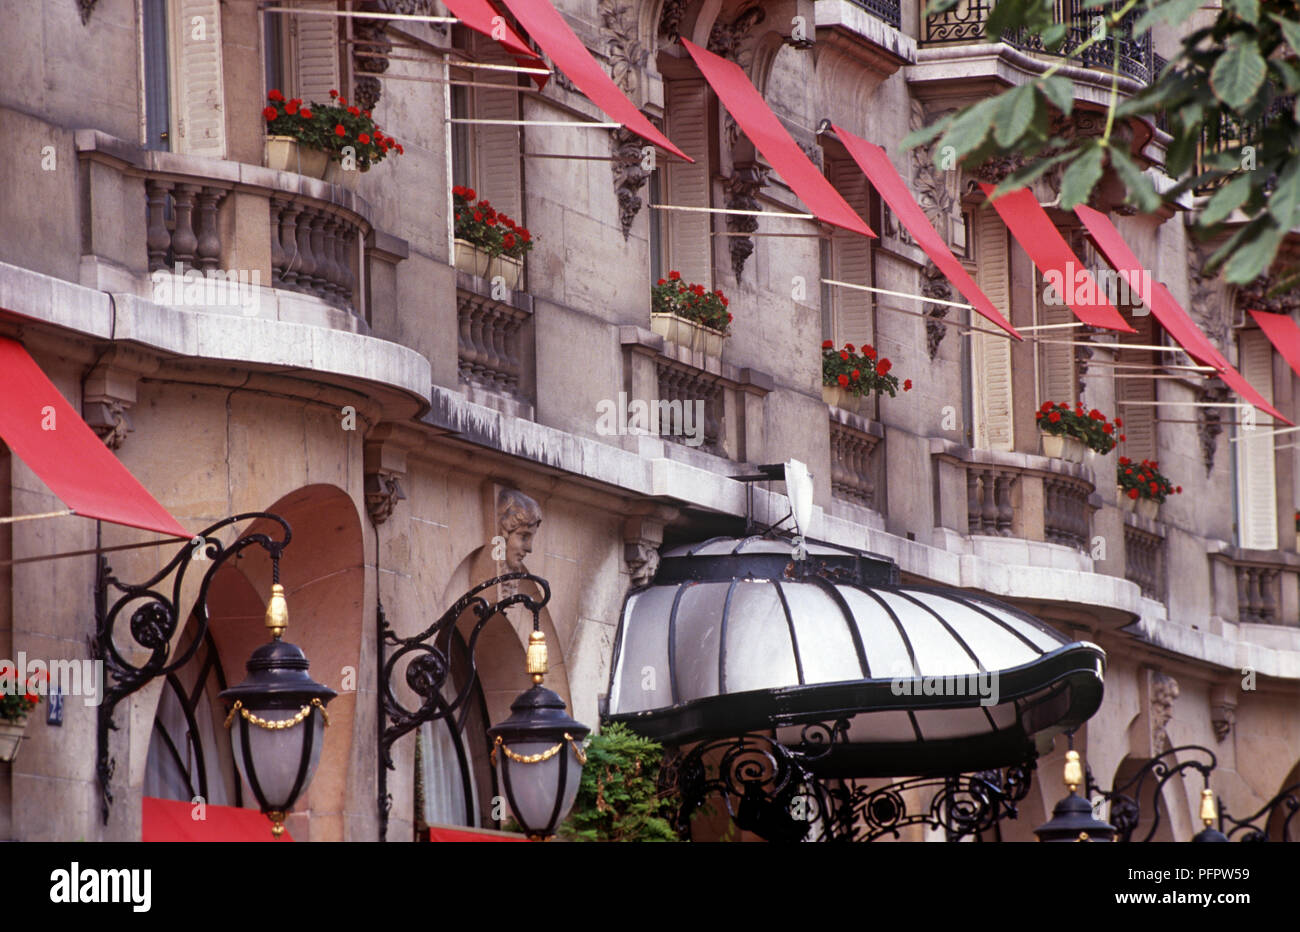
619 797
1225 95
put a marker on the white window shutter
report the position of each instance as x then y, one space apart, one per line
314 45
851 262
200 103
690 247
1139 428
1056 375
1256 476
497 148
991 355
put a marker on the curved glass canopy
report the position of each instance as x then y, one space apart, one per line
735 635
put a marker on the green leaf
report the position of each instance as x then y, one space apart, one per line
1059 91
1287 72
1081 177
1239 72
1142 193
1014 114
919 137
1252 258
1227 199
1284 203
940 6
1027 174
1054 35
1175 11
1290 30
1245 9
969 129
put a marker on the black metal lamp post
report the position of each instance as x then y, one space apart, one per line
1072 819
281 712
1209 814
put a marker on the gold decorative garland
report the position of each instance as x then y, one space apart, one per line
541 756
276 726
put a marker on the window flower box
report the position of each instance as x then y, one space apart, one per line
689 314
844 399
11 737
688 333
313 139
285 154
849 376
488 243
1061 447
1142 487
1067 433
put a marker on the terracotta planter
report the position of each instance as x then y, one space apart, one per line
286 154
846 401
509 268
688 333
469 258
11 736
1070 449
336 174
1146 507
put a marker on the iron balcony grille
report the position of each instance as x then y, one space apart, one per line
965 23
888 11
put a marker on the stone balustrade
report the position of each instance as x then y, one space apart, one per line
854 465
1260 587
1144 555
492 353
990 493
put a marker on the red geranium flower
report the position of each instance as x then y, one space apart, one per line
339 130
849 347
1124 461
844 355
1132 493
334 93
907 385
843 380
1179 490
884 366
270 113
674 275
342 102
274 94
729 318
305 113
364 139
354 111
1108 428
869 351
1054 417
826 344
400 150
856 375
1118 422
478 216
661 282
508 241
469 194
1122 437
525 235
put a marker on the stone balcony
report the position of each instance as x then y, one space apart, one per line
1037 499
495 346
1144 555
1259 587
181 230
856 469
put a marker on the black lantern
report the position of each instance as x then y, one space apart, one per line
281 712
1072 819
539 752
1209 813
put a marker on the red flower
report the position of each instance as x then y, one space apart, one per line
1154 488
1122 437
856 375
292 106
843 380
400 150
884 366
525 235
1107 428
674 275
491 220
1124 461
907 385
334 93
339 130
1118 422
342 102
849 347
844 356
1096 415
729 318
508 241
1179 490
869 351
1054 417
1132 493
725 302
661 282
469 194
270 113
274 94
826 344
354 111
366 113
1038 415
364 139
305 113
478 216
1046 406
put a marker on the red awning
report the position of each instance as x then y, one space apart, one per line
874 161
47 434
548 28
174 820
746 105
1171 316
460 833
479 16
1040 238
1283 333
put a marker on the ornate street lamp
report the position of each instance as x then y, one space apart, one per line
281 712
1209 813
538 749
1072 819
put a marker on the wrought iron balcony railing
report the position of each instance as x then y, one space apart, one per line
965 23
888 11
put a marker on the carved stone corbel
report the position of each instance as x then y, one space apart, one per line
627 56
367 90
643 535
741 189
1149 730
1223 710
1255 296
729 39
384 464
670 19
630 175
1210 422
84 7
934 284
1211 306
109 392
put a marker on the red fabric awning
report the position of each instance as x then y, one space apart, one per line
47 434
1040 238
547 27
481 17
173 820
759 123
1283 333
1171 316
874 161
460 833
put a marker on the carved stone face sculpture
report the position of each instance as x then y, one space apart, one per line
517 519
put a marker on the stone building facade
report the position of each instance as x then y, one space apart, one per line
391 407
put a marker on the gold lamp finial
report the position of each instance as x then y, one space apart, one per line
1209 812
536 656
277 611
1073 770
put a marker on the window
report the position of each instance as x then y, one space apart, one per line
487 158
1256 470
688 240
1055 360
992 423
302 52
1135 390
847 258
157 92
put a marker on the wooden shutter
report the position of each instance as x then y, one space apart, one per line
852 262
991 355
1256 475
314 44
200 104
497 148
1139 428
1056 375
690 247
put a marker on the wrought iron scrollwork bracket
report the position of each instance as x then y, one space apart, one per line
1126 799
428 670
155 620
1285 804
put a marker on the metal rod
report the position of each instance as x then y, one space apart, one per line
1135 375
44 514
408 17
461 63
1049 326
1118 346
499 87
1273 433
560 155
1148 366
897 294
742 213
81 553
1192 404
569 123
809 235
944 322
